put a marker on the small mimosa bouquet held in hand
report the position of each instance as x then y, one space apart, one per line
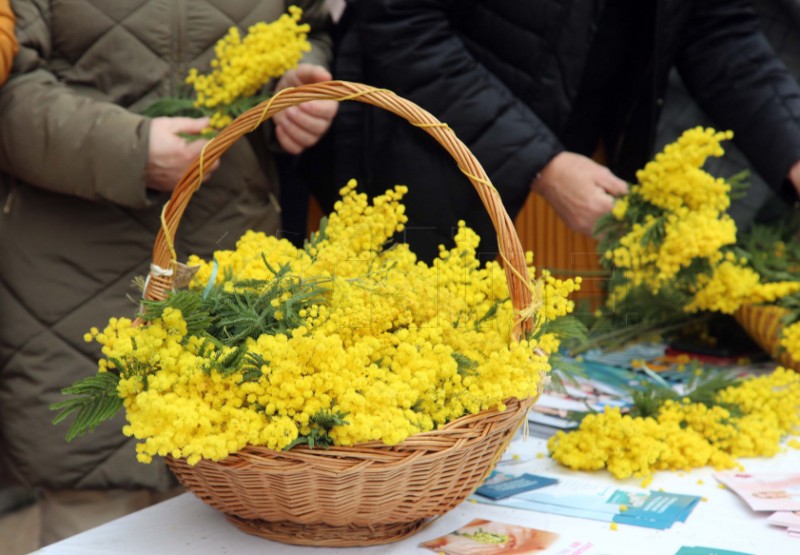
246 70
243 66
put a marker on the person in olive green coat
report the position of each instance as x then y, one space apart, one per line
84 178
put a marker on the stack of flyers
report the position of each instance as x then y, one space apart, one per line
788 519
500 485
765 491
584 499
486 537
563 408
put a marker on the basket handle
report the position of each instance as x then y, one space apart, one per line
159 282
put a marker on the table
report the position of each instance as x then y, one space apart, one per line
184 524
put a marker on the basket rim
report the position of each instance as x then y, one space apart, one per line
376 452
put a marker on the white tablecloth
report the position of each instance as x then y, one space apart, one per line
186 525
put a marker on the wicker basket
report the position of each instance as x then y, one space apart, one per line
763 324
371 493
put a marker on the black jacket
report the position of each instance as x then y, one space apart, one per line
504 74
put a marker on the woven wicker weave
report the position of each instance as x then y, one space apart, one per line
763 324
370 493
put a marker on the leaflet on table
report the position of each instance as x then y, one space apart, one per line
787 519
487 537
585 499
765 491
698 550
502 484
563 409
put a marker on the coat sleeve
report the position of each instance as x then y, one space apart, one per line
317 15
8 41
410 47
736 77
56 139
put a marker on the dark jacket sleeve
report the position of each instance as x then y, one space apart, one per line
736 77
57 139
410 46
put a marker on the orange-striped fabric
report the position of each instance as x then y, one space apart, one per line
8 41
561 250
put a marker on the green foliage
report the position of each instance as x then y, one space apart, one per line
704 388
564 370
195 312
229 363
96 400
609 230
252 367
491 313
740 183
466 366
248 310
321 425
184 106
569 329
318 236
759 246
174 107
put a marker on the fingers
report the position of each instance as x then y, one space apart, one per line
612 184
304 74
312 118
311 73
288 143
300 127
192 126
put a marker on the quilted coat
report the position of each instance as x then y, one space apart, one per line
505 74
76 222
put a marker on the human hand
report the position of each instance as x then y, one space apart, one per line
794 176
579 189
169 155
300 127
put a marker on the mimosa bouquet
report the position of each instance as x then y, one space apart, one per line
347 340
672 249
674 259
242 66
717 421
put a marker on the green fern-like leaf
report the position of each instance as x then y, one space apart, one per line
96 401
195 312
321 424
171 107
466 366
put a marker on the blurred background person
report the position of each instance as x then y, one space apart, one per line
539 91
780 23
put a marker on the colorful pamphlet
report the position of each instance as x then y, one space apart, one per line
585 499
486 537
765 491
